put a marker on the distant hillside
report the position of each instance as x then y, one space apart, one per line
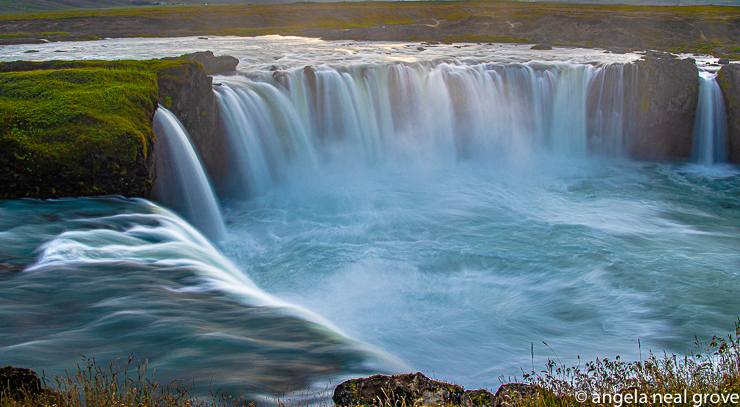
26 6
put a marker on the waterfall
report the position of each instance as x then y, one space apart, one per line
181 182
442 112
710 128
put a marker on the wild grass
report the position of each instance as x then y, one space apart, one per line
128 385
713 368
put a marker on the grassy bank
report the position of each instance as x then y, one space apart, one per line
713 369
62 121
707 29
78 128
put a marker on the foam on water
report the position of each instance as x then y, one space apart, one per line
107 277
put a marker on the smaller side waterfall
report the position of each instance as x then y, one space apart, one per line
181 183
710 128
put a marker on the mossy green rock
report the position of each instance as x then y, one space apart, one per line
74 132
82 128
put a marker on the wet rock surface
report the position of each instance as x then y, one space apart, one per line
186 90
662 103
728 79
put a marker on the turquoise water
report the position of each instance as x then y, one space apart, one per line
109 277
459 270
451 270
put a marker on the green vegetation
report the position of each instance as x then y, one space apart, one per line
116 386
73 128
56 121
713 369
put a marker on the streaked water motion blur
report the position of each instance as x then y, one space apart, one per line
437 210
181 183
106 277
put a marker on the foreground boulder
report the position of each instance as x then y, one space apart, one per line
416 389
512 394
18 383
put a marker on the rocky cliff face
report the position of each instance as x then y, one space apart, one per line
729 80
186 90
662 92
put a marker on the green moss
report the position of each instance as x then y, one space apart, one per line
79 127
52 121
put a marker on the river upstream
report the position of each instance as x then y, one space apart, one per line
400 209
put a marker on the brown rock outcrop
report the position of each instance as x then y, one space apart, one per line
728 79
663 101
186 90
212 65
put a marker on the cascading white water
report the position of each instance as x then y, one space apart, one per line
710 127
447 111
181 182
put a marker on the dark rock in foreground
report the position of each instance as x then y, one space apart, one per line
416 389
405 389
511 394
18 382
